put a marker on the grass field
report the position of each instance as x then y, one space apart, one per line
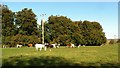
84 56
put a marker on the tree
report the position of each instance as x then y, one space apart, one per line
58 27
26 22
7 21
7 24
46 33
63 30
93 33
77 32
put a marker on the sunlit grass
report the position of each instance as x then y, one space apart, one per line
94 55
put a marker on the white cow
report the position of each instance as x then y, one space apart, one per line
4 46
79 45
37 46
19 46
58 45
54 45
72 45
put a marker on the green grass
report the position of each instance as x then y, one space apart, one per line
84 56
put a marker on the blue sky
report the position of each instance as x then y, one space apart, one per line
106 13
59 0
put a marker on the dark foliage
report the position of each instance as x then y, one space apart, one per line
62 30
12 41
7 21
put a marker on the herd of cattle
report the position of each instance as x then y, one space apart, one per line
45 46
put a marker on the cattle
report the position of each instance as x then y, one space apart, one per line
58 45
40 46
30 45
4 46
54 45
78 45
70 46
46 45
83 45
19 46
49 46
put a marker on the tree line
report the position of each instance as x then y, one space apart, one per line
21 28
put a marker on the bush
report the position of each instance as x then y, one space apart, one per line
118 41
112 41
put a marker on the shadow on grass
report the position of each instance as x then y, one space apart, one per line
49 62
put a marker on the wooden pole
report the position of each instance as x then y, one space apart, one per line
42 21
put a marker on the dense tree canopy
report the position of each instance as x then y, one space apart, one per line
58 29
93 33
26 22
22 27
22 23
7 21
63 30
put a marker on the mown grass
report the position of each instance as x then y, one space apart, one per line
84 56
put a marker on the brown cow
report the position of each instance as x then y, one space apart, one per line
68 45
30 45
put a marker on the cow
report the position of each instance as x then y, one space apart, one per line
70 46
58 45
4 46
54 45
19 46
49 46
30 45
40 46
78 45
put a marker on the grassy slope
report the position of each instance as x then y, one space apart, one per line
89 55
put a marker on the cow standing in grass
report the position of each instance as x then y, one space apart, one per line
30 45
19 46
58 45
4 46
49 46
40 46
70 46
54 45
45 46
78 45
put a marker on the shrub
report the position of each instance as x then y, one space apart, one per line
112 41
118 41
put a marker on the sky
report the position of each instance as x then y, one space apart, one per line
106 13
60 0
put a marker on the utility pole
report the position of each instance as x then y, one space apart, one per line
42 22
